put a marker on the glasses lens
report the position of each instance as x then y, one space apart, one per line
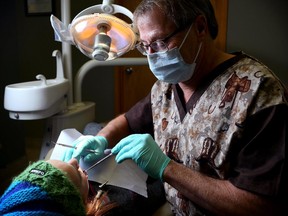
156 46
159 46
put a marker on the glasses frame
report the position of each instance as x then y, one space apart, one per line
142 48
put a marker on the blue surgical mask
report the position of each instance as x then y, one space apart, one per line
170 67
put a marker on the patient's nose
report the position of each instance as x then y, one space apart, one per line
74 162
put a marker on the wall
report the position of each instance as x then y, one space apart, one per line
9 73
259 28
27 43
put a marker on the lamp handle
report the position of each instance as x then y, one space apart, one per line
99 9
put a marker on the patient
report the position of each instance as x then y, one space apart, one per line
55 187
52 188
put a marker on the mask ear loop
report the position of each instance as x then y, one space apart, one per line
186 36
200 45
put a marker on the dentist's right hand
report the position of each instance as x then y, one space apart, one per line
85 143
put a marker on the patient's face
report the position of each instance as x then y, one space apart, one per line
75 174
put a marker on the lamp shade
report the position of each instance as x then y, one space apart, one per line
90 32
97 33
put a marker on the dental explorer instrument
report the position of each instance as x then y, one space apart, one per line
106 151
69 146
98 162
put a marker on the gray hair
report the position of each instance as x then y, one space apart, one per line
181 12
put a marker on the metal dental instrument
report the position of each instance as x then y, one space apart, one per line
69 146
106 151
102 185
98 162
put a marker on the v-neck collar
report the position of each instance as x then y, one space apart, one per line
178 93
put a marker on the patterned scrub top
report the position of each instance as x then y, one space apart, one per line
233 127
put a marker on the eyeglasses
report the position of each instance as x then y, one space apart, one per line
159 45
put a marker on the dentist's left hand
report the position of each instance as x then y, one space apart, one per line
84 143
144 151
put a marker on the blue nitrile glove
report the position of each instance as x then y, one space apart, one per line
85 143
142 149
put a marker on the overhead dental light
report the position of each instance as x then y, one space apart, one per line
97 33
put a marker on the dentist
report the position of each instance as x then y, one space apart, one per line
214 126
